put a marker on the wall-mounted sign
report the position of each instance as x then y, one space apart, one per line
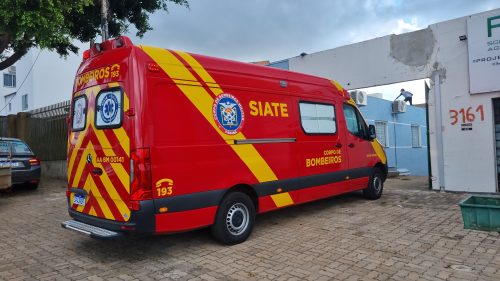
483 38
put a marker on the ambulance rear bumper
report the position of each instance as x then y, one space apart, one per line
141 221
92 231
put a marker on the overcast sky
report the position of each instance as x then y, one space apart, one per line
254 30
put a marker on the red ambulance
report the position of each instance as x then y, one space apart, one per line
165 141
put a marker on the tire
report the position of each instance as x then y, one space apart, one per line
32 186
375 185
235 219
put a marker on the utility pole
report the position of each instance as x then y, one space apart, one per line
104 20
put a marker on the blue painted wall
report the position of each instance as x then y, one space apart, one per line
400 153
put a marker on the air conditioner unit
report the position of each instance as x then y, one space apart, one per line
398 106
359 97
12 69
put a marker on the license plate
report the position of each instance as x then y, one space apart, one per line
11 164
79 199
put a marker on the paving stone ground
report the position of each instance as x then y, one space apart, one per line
411 233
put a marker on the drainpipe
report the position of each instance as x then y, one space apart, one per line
439 130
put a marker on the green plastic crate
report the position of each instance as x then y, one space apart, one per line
481 212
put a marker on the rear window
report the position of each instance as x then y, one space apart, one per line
109 109
79 113
20 148
15 147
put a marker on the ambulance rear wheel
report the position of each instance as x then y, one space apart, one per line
375 185
235 219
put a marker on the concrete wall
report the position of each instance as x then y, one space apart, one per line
461 160
400 152
54 169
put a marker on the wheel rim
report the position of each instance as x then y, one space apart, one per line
237 219
377 184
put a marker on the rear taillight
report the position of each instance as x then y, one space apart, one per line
34 161
140 177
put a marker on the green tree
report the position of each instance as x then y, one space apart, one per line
54 24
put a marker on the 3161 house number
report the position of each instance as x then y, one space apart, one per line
466 115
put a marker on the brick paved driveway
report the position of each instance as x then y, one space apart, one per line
409 234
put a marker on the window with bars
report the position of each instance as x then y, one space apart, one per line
415 136
382 134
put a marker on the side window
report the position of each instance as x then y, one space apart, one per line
317 118
355 123
109 109
79 116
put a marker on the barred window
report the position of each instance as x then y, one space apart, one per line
415 136
382 133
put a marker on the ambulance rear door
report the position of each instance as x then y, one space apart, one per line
99 153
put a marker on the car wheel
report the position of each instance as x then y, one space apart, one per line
375 185
235 219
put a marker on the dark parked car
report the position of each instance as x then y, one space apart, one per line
16 154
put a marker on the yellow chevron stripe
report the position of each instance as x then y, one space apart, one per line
86 186
377 147
202 100
81 164
117 167
337 85
200 70
92 212
81 137
282 199
102 203
113 194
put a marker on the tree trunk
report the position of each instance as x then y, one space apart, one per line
13 58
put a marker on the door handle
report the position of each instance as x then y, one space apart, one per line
351 145
97 171
338 145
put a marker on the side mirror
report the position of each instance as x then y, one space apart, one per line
372 133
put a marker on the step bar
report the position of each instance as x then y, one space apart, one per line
92 231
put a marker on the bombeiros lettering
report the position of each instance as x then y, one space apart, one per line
330 157
98 74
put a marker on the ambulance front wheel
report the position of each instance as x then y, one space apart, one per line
235 219
375 185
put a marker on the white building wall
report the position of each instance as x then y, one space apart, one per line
460 160
54 77
49 82
22 69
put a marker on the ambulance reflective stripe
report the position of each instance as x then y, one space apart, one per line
377 147
203 101
107 193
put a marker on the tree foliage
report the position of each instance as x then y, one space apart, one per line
54 24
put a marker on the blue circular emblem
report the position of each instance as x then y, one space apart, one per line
228 114
109 108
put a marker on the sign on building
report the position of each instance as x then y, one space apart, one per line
483 37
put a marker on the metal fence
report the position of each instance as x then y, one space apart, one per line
44 129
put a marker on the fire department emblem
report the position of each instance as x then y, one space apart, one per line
228 114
